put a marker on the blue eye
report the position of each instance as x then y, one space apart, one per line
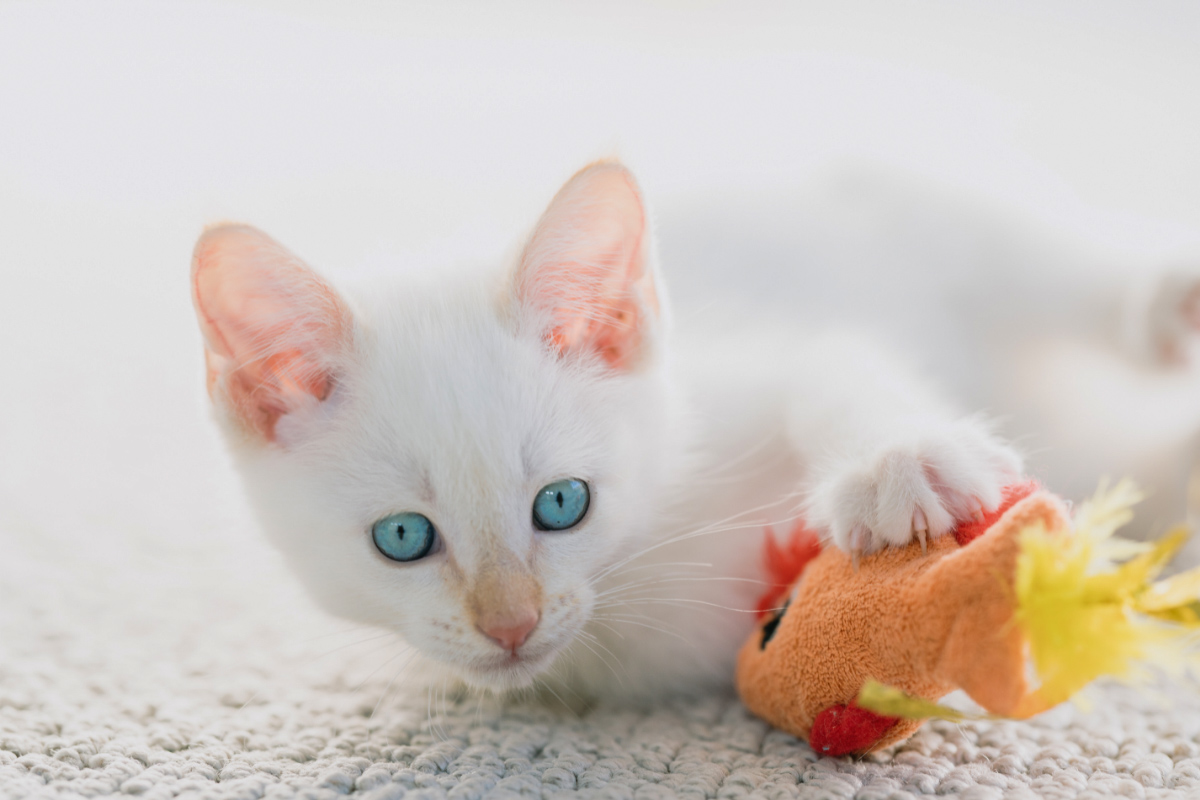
404 537
560 505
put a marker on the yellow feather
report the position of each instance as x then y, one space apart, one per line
1174 599
1083 615
1079 626
1106 511
893 702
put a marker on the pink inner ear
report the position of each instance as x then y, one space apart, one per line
272 328
586 268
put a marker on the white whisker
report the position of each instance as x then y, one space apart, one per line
328 653
709 578
403 667
546 685
371 674
676 601
726 465
640 623
318 637
600 644
615 632
643 581
721 526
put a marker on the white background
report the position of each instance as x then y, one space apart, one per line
380 134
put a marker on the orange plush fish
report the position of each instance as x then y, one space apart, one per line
1020 610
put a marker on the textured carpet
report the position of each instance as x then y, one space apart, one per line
126 673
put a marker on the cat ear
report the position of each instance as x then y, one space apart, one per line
273 330
585 275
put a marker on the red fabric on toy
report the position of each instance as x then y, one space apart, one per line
785 563
839 730
967 532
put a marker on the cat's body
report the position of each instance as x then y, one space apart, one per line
1085 352
462 402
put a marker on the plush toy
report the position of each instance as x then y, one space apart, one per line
852 657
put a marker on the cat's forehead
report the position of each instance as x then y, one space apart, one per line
448 378
458 360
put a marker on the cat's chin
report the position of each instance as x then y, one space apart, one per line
506 673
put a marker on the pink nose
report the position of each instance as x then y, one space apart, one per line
511 633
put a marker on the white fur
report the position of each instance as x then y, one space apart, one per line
451 404
445 410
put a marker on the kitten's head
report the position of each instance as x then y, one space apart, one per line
454 462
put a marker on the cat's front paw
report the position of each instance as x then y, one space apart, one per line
922 488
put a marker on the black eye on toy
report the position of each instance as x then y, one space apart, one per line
772 625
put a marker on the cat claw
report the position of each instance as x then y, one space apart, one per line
858 543
921 529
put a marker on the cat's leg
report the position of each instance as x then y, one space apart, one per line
886 458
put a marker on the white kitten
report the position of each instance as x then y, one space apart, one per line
524 477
